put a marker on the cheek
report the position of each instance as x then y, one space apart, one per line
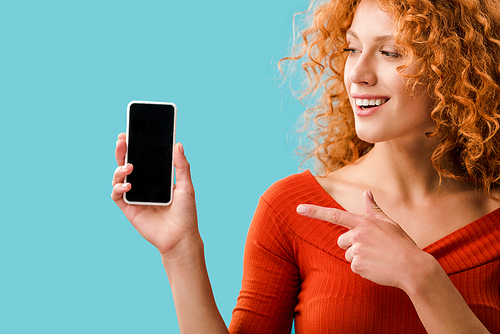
418 98
398 84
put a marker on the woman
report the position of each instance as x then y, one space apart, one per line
409 115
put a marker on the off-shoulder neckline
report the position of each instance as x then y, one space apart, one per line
488 218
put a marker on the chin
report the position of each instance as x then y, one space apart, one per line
371 136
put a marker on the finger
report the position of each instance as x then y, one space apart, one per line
345 241
372 209
117 194
120 173
349 254
331 215
182 171
122 135
121 149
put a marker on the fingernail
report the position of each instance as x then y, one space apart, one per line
302 209
124 185
124 166
181 147
369 193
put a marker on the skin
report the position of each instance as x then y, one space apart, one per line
382 245
379 250
399 173
173 230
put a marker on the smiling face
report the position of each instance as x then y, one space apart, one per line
383 107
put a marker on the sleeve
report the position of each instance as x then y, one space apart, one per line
271 278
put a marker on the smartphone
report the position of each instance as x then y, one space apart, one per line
150 148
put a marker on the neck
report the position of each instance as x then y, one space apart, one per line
405 171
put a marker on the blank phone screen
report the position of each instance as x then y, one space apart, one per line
150 144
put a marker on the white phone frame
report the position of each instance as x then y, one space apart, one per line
173 145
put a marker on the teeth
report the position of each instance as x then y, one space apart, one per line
372 102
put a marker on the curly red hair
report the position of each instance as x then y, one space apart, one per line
456 46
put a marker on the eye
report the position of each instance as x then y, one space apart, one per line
350 50
391 54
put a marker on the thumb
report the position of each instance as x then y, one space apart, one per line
371 207
182 170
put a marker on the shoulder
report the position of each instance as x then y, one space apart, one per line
297 186
290 185
276 217
300 188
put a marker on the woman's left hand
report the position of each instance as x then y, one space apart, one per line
377 248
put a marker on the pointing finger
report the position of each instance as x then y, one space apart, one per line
331 215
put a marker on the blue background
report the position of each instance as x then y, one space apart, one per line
70 261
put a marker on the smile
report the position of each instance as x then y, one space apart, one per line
370 103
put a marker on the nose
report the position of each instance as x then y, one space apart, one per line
363 70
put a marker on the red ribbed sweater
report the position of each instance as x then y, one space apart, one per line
294 269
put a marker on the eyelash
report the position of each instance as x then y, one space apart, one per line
350 50
385 53
391 54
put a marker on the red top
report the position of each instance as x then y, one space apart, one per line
294 269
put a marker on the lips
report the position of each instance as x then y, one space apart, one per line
367 105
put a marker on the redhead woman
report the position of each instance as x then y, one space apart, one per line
398 229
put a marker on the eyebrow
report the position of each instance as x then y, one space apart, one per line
377 38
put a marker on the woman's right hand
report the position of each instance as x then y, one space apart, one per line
171 229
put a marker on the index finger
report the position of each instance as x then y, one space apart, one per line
121 149
331 215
